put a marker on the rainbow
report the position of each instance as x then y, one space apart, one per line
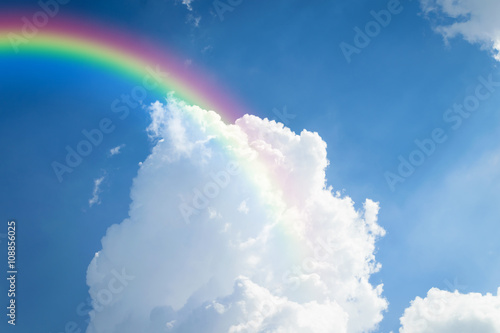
117 52
121 53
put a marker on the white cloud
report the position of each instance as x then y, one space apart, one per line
258 310
476 21
243 207
188 4
298 260
452 312
95 193
116 150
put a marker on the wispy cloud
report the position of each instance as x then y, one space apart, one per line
194 20
95 193
188 4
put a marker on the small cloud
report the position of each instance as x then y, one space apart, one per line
116 150
212 213
243 208
188 4
188 62
95 193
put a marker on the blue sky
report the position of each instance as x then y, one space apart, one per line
441 223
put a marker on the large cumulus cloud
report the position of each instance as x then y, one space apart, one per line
232 228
